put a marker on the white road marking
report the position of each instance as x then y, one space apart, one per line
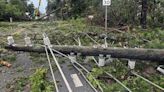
76 80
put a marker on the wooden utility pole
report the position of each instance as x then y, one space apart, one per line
106 18
144 14
130 53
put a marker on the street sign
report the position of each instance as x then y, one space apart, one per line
106 2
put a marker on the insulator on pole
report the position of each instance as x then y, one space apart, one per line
106 43
103 45
72 57
131 64
10 40
109 59
28 41
79 41
47 41
101 60
161 69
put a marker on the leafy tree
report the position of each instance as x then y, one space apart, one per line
53 5
31 9
12 8
121 12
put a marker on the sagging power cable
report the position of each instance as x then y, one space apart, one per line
78 69
134 73
82 68
48 44
107 72
52 72
113 77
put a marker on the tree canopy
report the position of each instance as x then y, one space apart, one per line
15 9
120 12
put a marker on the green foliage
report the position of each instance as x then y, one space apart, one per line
38 82
9 56
18 85
78 7
38 58
64 31
96 83
15 9
120 12
12 10
31 9
119 70
155 38
97 71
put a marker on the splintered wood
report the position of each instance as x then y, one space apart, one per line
4 63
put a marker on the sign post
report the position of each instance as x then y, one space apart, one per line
106 18
106 3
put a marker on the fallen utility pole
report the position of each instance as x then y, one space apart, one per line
130 53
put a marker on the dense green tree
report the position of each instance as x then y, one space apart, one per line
53 5
31 9
2 5
121 12
13 8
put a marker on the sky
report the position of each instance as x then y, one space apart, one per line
42 6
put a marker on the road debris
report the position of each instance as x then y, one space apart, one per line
5 63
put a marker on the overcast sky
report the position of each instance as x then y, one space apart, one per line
42 6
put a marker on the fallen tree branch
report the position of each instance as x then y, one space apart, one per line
48 14
130 53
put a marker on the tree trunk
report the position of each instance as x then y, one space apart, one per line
144 14
130 53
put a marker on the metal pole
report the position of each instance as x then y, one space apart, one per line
106 17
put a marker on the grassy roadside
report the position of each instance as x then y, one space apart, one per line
64 31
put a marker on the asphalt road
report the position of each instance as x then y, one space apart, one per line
68 70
